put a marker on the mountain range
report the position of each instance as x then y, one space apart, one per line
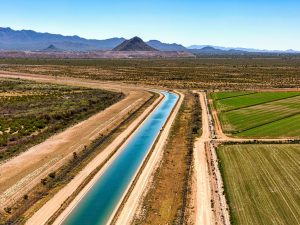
198 47
29 40
34 41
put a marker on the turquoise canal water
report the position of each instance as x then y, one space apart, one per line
96 207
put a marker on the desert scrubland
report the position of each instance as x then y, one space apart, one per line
247 107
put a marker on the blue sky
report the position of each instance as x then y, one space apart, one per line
264 24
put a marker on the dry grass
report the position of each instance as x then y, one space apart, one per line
31 111
201 73
166 201
41 193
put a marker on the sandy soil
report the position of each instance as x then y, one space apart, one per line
44 213
97 54
220 207
210 177
138 191
202 201
21 173
217 125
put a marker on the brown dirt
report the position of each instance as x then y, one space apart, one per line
97 54
218 200
163 201
217 125
20 174
48 209
215 210
202 196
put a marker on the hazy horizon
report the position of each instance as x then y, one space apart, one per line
271 25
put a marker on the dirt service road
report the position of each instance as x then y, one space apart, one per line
44 213
202 197
21 173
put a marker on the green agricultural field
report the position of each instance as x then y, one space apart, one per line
262 183
267 114
30 111
224 95
241 101
287 127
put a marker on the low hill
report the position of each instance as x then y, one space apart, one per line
165 46
209 50
134 44
52 48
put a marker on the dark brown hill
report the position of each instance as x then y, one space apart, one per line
134 44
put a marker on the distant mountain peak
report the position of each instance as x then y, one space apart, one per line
134 44
209 48
52 48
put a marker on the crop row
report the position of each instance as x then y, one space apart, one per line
262 183
244 101
229 94
259 114
287 127
237 121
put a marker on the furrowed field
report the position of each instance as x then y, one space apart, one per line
261 114
31 112
262 183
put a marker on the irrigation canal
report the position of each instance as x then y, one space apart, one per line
99 203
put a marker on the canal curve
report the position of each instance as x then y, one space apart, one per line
98 204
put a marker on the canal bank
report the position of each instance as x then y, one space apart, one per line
99 202
143 181
78 186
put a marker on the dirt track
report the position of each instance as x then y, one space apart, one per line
211 205
44 213
21 173
221 213
202 197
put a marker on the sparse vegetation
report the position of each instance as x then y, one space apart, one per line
166 201
257 178
58 179
31 112
236 72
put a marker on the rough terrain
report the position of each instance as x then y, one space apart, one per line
21 173
44 214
